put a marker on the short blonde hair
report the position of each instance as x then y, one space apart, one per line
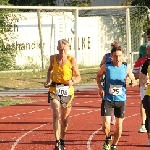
63 41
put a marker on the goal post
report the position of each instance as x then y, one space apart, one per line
90 31
122 23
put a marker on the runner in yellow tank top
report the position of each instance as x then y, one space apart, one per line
64 72
61 74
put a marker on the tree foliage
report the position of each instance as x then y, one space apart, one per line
33 2
79 3
137 3
7 52
140 3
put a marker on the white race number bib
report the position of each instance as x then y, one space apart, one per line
62 90
115 89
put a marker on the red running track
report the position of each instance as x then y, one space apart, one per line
29 126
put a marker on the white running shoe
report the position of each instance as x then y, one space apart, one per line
148 143
142 129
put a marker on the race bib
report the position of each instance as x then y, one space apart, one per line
115 89
62 90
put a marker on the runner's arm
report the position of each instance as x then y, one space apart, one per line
103 60
100 73
76 71
130 74
136 73
50 69
131 77
143 74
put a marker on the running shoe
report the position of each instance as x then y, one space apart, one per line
142 129
106 145
113 147
148 143
62 145
57 148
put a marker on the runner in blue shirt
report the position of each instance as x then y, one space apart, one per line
114 95
107 59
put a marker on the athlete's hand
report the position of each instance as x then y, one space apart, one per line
147 83
46 84
69 82
127 81
133 83
101 93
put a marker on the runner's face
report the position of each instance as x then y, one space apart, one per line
63 49
117 57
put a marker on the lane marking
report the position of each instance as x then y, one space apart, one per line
91 137
95 132
19 139
30 131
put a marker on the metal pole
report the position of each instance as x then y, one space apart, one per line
76 14
41 39
128 33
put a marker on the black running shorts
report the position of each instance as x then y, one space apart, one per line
107 107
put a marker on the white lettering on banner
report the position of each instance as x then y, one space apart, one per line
62 90
115 89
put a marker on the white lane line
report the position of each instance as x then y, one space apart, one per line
4 118
24 113
91 137
95 132
19 139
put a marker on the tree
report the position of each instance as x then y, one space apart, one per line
79 3
33 2
7 51
137 3
140 3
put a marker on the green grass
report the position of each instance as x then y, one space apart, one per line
27 80
7 101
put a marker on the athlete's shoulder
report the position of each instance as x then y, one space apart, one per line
143 58
52 56
107 54
140 62
124 63
143 45
148 61
107 63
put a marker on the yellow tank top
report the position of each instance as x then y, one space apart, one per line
61 74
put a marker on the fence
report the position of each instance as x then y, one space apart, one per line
90 30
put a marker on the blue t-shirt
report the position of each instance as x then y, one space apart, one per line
108 59
115 86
